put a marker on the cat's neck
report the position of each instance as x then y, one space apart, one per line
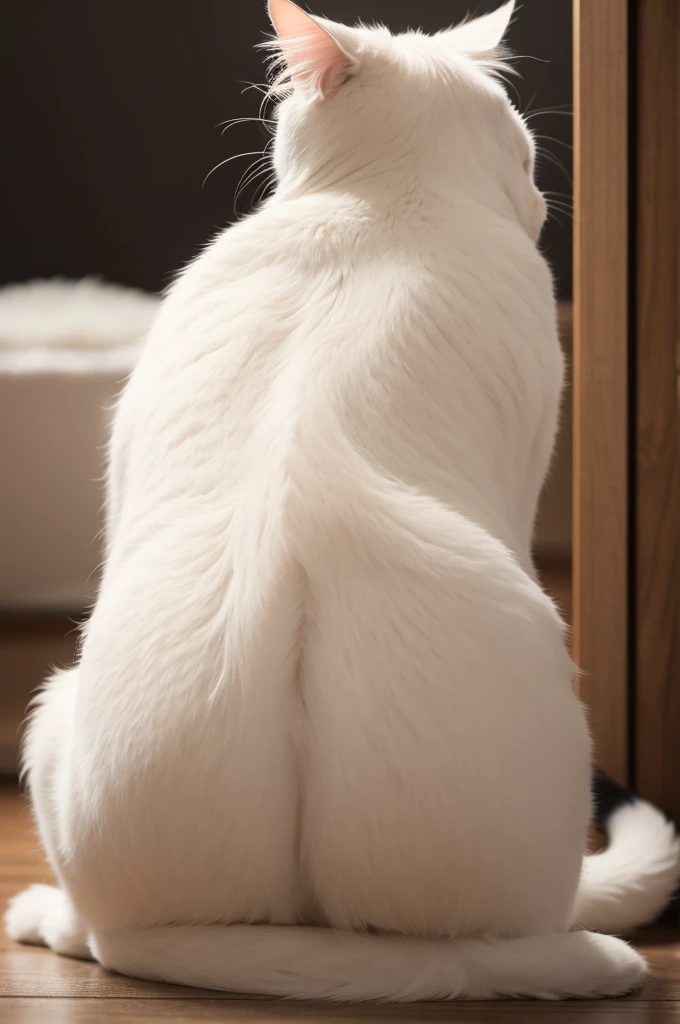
386 166
404 187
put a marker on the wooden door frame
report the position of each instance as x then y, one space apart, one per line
656 434
600 374
626 543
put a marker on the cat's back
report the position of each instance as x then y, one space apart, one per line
273 309
334 277
331 310
293 577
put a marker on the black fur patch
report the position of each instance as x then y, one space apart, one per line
609 796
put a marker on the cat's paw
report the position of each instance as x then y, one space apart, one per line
629 970
25 913
43 915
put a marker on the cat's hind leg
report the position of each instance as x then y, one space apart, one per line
44 914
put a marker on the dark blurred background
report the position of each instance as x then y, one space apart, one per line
109 119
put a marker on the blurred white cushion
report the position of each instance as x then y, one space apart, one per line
65 350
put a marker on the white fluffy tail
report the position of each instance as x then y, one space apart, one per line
320 963
630 883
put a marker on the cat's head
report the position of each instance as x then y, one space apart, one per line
361 106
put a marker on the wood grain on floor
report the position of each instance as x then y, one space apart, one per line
36 985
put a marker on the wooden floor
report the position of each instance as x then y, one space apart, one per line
36 985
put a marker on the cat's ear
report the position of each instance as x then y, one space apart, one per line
485 34
313 54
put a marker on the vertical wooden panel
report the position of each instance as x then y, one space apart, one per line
601 371
657 698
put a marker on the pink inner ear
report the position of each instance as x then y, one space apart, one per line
311 53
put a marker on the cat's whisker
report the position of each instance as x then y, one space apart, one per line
247 86
552 218
527 56
255 170
560 196
268 99
529 105
508 82
502 69
551 138
554 208
563 197
545 154
236 156
265 91
233 121
546 112
263 158
560 209
249 175
264 186
556 107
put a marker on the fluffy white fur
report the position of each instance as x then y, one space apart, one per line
322 740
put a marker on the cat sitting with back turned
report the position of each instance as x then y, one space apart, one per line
322 739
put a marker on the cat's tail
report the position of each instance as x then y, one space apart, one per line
321 963
630 882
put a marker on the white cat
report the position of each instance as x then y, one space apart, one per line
321 687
